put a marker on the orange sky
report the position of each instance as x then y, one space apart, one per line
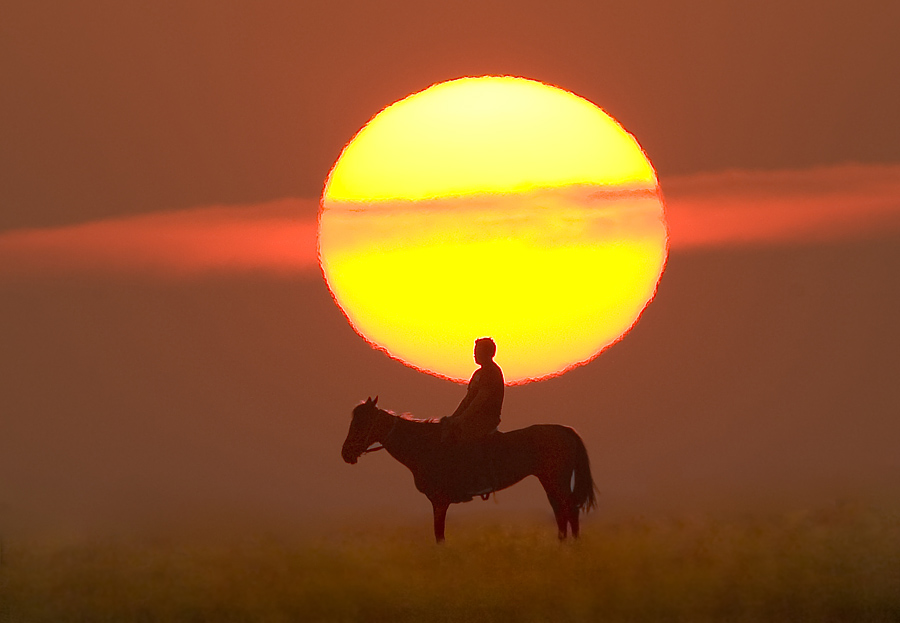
165 337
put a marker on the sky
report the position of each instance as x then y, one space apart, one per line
164 344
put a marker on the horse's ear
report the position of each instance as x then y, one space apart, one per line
375 401
368 400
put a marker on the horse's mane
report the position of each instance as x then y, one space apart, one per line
407 417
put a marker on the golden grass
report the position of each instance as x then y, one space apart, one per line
837 565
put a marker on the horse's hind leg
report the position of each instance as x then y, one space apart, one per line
573 519
559 513
559 506
440 517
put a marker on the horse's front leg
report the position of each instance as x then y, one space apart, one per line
440 507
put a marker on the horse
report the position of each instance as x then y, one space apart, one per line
554 453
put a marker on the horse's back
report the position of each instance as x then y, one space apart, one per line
536 439
537 431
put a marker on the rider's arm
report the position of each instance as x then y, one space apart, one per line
475 403
466 401
471 393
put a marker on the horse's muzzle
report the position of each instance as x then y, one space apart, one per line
348 455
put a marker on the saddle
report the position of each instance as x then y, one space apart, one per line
471 470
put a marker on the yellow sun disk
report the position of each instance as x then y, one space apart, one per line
496 207
485 135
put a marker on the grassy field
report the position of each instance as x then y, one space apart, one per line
840 564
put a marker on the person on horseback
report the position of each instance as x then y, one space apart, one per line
478 414
467 430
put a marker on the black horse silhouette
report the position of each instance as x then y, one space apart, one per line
553 453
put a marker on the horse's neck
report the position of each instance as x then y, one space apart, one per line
394 421
407 438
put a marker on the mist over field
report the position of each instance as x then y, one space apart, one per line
831 565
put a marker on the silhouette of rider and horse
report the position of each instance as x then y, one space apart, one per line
463 455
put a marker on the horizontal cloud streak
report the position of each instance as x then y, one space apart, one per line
725 209
778 207
547 217
279 236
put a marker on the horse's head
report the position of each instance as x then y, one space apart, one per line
362 433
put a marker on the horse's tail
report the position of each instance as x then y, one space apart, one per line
583 491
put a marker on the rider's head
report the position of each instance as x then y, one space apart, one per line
485 349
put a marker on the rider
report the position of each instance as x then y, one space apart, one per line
467 429
479 412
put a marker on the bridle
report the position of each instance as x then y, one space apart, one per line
366 443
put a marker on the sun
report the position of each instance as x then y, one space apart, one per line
492 206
